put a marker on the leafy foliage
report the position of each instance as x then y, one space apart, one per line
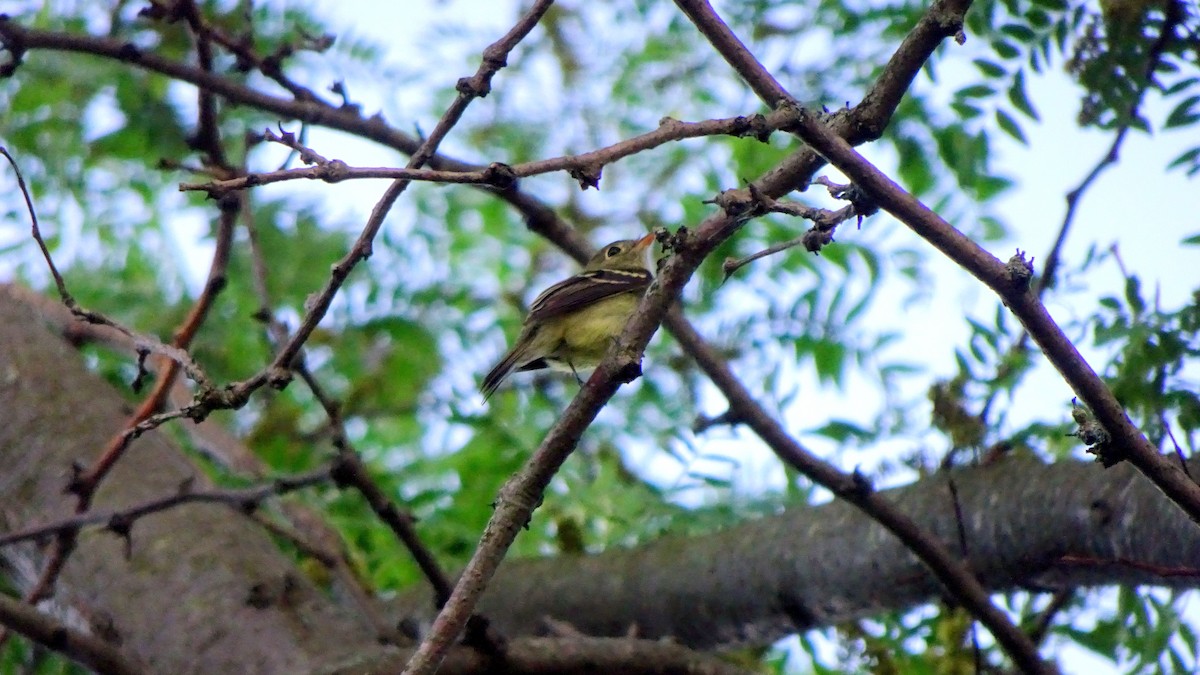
454 268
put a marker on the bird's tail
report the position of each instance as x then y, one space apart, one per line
496 375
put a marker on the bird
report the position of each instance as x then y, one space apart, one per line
571 324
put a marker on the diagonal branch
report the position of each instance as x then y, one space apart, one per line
855 489
1011 283
521 494
89 650
958 579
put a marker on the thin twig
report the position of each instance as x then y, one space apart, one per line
143 342
585 167
121 521
1041 627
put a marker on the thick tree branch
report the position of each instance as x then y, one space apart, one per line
932 551
1028 525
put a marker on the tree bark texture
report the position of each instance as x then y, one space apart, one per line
205 590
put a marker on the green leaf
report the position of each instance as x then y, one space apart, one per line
990 68
1133 294
1183 115
1019 98
975 91
1018 31
1006 50
1010 126
1038 18
1185 83
843 430
1188 157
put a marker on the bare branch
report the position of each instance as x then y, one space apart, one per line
1013 287
89 650
121 521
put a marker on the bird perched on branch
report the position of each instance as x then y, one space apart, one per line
571 324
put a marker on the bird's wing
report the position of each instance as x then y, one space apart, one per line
585 288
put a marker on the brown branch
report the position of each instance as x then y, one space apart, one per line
349 471
337 171
207 137
949 570
143 343
277 373
1013 286
88 650
825 222
1042 622
452 618
765 86
572 653
965 588
585 167
85 484
348 468
520 495
120 521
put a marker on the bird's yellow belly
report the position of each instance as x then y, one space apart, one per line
585 336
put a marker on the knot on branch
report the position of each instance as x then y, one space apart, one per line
855 486
229 202
343 471
863 205
142 372
742 204
78 481
129 52
121 524
500 176
755 125
816 238
333 172
279 378
628 368
1095 436
1019 271
15 47
669 123
474 86
588 175
210 398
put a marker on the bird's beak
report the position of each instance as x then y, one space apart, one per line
642 246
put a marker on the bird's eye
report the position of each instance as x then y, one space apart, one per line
612 250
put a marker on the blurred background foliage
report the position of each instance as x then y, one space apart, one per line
104 147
